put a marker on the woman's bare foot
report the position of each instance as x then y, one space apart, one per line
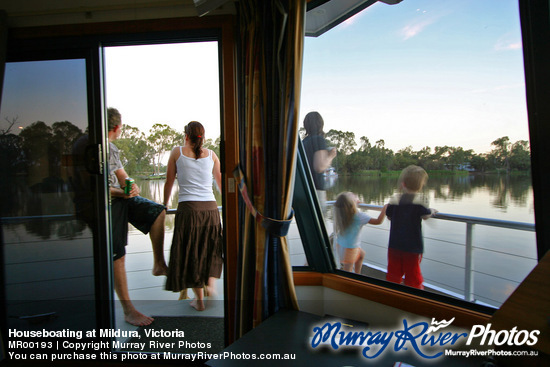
136 318
211 292
198 304
160 269
211 287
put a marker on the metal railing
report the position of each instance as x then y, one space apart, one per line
468 241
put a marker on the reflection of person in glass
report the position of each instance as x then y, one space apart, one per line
196 253
319 157
144 214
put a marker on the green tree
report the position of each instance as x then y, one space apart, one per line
502 152
423 157
458 156
214 146
479 162
135 152
344 141
161 139
65 133
36 141
404 157
439 157
365 144
382 157
520 156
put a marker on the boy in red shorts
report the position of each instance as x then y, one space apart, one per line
406 244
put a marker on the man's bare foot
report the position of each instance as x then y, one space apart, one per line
198 305
160 269
136 318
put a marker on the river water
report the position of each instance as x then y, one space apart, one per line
501 258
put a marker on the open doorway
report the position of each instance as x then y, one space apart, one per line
158 89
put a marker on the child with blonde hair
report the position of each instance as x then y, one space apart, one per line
348 221
406 244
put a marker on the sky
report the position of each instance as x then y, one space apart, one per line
48 91
181 85
419 73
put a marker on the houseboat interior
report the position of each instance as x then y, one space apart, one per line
280 273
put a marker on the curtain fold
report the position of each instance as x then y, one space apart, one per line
270 67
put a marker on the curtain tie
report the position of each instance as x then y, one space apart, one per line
274 227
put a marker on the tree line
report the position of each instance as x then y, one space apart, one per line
143 154
140 154
505 156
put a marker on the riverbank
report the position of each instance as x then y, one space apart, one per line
431 173
378 173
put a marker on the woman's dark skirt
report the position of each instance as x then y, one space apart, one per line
196 252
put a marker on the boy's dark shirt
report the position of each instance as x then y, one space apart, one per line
406 224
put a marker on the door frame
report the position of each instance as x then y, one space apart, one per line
90 38
97 137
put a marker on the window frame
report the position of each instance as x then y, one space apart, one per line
535 27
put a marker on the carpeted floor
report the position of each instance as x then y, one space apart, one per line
201 334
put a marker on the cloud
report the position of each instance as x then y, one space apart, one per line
508 46
414 28
352 20
508 42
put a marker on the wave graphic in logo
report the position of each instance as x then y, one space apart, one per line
439 325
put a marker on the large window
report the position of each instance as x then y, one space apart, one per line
439 85
47 245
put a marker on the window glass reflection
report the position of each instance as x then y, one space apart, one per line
439 85
48 252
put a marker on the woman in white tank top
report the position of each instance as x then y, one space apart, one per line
196 258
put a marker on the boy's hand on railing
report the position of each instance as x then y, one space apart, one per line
433 212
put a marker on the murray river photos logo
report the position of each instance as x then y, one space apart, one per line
427 340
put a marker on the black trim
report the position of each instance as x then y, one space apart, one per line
420 293
315 3
535 26
103 265
30 46
226 295
3 309
338 20
309 217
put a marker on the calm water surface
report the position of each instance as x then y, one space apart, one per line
501 257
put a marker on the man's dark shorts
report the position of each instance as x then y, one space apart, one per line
119 217
143 212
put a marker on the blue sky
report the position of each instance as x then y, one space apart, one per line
48 91
421 73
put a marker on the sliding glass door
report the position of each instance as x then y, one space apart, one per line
52 189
